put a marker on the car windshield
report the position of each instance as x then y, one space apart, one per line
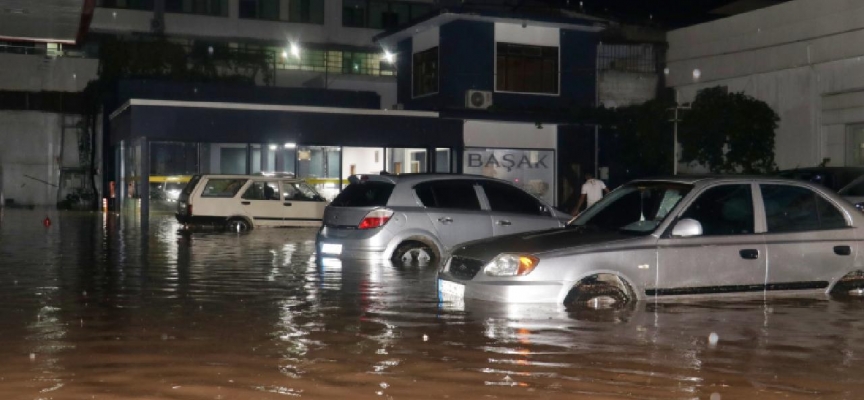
634 208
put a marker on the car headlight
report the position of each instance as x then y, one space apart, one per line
511 265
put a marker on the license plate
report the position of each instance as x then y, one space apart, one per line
449 290
331 248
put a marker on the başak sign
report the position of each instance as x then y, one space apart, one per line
531 170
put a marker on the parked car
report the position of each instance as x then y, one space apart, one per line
834 178
854 193
422 216
674 238
243 202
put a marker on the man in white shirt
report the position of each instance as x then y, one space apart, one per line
592 190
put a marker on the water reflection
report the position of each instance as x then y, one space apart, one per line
109 311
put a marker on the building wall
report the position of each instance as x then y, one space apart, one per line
797 56
621 89
467 62
36 73
30 157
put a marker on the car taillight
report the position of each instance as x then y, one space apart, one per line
375 219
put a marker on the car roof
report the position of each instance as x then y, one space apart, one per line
414 178
219 176
707 179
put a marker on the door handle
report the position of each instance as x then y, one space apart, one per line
504 222
749 254
245 203
445 220
287 204
842 250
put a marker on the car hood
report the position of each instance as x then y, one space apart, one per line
539 242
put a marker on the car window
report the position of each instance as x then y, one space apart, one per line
453 194
187 190
855 188
636 208
222 187
364 194
723 210
506 198
298 191
795 209
262 190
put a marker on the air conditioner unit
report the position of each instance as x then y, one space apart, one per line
478 99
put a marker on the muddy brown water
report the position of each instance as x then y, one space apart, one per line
99 307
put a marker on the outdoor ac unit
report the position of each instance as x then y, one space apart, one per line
478 99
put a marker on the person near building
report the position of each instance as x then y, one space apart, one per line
592 191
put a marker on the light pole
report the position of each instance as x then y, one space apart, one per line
675 120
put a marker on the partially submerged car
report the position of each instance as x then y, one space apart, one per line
419 217
674 238
243 202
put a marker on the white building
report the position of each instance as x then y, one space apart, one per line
805 58
315 43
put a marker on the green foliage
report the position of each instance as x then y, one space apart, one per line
645 137
729 133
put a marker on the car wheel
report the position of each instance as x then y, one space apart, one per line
596 294
238 225
411 252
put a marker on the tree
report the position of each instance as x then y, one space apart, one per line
729 133
645 137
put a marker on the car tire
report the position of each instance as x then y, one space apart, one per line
410 252
596 294
239 225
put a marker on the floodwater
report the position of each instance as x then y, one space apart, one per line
98 307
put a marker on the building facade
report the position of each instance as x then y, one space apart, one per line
803 58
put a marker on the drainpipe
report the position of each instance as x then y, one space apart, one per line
597 105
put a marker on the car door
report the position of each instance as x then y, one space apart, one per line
809 240
301 204
729 255
261 201
453 208
514 211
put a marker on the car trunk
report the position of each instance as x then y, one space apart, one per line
350 207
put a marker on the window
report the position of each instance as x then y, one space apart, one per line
796 209
723 210
335 62
306 11
425 72
262 191
855 189
127 4
259 9
226 188
354 13
508 199
453 194
203 7
406 160
634 208
365 194
299 192
527 69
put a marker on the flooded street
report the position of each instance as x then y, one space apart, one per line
91 307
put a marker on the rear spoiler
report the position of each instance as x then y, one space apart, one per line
360 178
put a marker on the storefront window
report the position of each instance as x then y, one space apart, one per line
319 165
362 160
531 170
443 161
274 158
403 161
173 158
223 158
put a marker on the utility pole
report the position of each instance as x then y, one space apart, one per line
675 120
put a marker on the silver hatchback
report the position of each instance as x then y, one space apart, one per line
423 216
670 239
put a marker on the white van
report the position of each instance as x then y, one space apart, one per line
243 202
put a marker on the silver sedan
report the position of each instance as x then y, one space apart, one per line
670 239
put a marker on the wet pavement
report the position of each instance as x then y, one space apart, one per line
91 307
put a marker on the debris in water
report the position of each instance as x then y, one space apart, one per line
715 396
425 337
712 339
32 356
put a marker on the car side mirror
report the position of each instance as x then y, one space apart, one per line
686 228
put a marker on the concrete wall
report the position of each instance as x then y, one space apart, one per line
620 89
37 73
795 56
29 157
233 27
